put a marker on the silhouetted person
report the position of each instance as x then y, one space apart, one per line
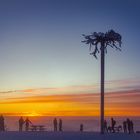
131 127
105 126
21 122
60 125
81 127
2 127
27 124
55 124
128 126
125 127
113 123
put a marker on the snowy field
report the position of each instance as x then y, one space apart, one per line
66 136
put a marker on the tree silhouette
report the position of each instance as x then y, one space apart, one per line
98 43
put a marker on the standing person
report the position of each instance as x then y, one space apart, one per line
131 126
60 124
2 126
27 124
113 123
105 126
55 124
128 126
125 127
21 122
1 123
81 127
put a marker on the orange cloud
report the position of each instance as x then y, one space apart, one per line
122 103
82 100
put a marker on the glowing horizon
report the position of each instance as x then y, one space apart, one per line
73 101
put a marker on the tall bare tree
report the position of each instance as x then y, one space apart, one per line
98 43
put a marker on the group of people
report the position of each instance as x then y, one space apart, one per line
57 124
109 128
27 123
127 126
2 126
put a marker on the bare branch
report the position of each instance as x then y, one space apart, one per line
110 38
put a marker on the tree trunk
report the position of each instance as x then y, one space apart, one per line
102 88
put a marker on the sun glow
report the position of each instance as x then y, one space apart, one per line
33 114
121 103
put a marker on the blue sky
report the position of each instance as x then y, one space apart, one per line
40 42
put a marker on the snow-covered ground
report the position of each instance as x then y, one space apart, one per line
66 136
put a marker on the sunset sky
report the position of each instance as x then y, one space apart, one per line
46 70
